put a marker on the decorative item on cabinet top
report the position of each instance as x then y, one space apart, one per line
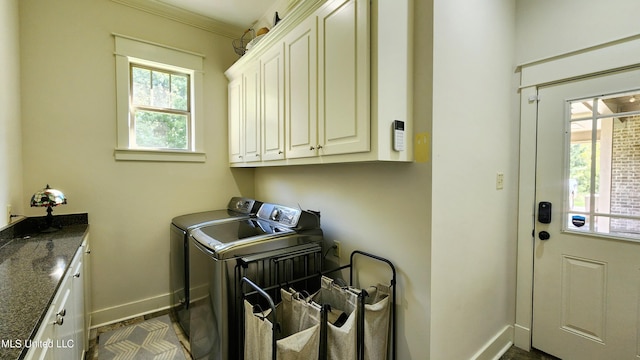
276 19
246 42
260 34
240 45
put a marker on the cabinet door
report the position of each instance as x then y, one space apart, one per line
86 274
300 89
77 291
343 82
41 350
272 70
251 88
236 124
64 331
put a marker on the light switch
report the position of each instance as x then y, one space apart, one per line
499 181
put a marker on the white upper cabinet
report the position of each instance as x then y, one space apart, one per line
301 87
325 85
272 95
236 122
251 90
245 116
343 79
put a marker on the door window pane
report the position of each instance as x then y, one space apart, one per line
603 157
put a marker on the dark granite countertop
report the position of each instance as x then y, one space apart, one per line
32 265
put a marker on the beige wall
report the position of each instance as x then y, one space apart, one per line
549 27
451 234
69 126
443 224
380 208
475 136
10 132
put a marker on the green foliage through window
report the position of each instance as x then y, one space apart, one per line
160 108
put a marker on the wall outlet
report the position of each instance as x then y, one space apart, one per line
336 248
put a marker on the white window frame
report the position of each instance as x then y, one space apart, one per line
130 50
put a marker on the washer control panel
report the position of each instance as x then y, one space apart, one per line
289 217
281 214
243 205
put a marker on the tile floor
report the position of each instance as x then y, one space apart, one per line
94 337
513 353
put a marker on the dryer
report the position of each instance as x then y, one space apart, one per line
237 208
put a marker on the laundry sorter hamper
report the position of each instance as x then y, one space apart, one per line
334 322
268 270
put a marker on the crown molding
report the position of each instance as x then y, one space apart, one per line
183 16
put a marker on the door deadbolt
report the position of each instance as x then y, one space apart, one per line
544 212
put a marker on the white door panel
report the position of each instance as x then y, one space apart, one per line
587 274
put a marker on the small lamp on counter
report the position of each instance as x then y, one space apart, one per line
48 198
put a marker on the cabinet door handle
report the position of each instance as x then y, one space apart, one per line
76 275
319 147
280 152
312 148
88 252
62 312
59 320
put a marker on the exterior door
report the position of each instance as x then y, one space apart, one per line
587 232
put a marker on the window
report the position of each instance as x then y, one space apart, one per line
158 102
603 192
160 109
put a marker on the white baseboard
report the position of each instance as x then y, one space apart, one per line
130 310
522 337
497 346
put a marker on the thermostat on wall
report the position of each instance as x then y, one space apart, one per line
398 135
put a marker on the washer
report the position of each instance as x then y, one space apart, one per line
237 208
216 252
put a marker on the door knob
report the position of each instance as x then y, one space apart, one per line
543 235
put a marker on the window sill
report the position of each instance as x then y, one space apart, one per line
159 155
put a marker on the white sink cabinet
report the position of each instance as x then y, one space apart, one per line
64 331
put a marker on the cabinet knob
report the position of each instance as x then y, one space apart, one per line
88 252
257 155
76 275
59 320
62 312
280 152
319 147
312 148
